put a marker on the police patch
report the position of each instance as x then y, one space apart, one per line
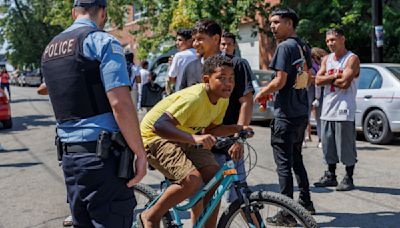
117 49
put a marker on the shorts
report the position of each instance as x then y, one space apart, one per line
339 142
177 160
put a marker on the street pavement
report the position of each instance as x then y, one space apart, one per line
32 191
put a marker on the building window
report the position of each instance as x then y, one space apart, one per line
138 12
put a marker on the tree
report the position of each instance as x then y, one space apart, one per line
30 25
164 17
354 17
26 32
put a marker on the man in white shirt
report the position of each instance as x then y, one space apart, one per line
186 54
134 76
144 75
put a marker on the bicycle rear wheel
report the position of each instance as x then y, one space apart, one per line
144 196
266 205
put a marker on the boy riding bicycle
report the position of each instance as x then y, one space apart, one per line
171 131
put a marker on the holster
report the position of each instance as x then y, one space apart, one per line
126 157
104 144
59 146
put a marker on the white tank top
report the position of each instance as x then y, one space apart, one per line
339 104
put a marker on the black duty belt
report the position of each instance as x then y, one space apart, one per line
82 147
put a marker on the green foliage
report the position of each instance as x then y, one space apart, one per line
26 31
164 17
354 17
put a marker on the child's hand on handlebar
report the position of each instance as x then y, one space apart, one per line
207 140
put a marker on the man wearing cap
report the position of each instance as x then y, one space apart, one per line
86 76
290 109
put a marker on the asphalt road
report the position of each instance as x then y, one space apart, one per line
32 192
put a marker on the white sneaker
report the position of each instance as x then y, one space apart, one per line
304 144
68 221
320 145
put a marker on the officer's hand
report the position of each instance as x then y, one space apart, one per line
208 141
236 151
140 171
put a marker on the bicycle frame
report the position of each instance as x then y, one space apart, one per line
227 174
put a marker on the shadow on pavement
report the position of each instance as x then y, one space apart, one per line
21 123
371 148
381 190
265 187
28 100
20 165
367 220
14 150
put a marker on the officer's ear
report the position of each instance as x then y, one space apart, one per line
73 13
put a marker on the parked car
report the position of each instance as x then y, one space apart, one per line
33 78
5 110
378 102
162 74
261 79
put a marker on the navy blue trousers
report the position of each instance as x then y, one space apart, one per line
287 136
97 197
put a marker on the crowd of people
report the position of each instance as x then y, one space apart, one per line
210 94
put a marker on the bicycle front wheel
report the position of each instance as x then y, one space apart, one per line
144 196
264 206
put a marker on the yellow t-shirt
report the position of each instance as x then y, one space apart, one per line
191 107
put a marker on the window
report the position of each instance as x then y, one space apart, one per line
138 12
395 71
369 79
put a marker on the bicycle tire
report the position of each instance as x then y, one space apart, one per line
265 198
150 194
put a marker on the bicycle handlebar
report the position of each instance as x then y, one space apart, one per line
227 141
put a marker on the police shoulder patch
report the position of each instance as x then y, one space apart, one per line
117 49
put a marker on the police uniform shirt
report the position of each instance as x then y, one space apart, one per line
108 51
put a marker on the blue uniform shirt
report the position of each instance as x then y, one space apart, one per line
109 52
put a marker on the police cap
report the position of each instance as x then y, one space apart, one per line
90 3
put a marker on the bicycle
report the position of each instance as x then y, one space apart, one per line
250 209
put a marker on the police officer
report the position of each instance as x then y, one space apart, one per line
87 80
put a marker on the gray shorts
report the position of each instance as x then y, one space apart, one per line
339 142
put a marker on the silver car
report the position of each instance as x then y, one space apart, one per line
261 79
378 102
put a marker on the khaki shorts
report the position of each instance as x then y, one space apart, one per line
176 160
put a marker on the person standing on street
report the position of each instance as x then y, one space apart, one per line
186 54
290 109
134 77
85 73
239 110
5 82
144 77
206 39
338 74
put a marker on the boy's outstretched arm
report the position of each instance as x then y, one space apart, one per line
165 127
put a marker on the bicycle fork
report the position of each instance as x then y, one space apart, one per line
251 212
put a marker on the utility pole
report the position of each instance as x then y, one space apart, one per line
377 33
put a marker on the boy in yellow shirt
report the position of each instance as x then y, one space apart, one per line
171 130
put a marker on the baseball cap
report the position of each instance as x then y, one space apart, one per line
90 3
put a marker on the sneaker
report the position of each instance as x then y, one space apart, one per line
327 180
346 184
68 221
304 145
309 206
282 218
320 145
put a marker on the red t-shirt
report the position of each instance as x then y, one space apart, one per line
4 77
